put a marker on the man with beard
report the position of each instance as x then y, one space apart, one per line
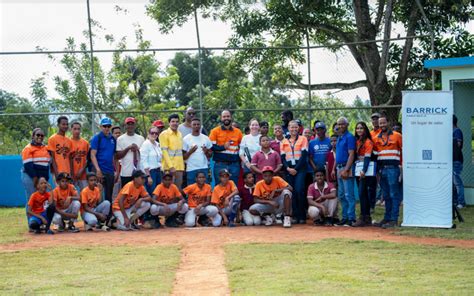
225 145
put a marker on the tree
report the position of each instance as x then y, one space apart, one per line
387 66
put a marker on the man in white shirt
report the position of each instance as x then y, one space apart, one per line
128 150
197 148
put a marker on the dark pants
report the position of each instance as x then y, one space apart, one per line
372 190
108 183
298 200
364 198
125 180
35 223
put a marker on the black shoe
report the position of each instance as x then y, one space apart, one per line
350 223
37 231
72 228
134 226
204 221
318 222
171 222
342 222
156 222
379 224
180 219
390 224
328 221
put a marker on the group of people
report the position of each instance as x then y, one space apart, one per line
125 181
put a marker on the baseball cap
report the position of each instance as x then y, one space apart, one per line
320 125
267 168
138 173
299 122
167 174
376 114
224 172
264 123
63 176
158 123
130 120
105 121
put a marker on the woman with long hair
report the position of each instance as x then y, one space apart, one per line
150 156
364 150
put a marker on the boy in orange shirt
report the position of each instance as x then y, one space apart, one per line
199 198
93 212
79 151
226 200
132 202
168 201
272 195
59 146
39 213
67 203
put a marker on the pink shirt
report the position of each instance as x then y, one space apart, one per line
314 193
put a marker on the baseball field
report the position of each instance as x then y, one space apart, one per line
303 260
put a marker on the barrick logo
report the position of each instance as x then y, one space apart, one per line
428 110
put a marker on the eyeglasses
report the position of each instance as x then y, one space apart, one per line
130 123
39 135
106 126
154 133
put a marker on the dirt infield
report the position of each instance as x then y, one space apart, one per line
202 269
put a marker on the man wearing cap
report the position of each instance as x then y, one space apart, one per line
128 151
319 147
264 128
272 195
375 124
171 143
161 127
225 145
102 147
186 128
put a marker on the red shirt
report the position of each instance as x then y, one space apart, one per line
262 159
331 162
314 193
246 196
275 145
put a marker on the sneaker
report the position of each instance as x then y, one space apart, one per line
87 227
361 222
268 220
379 224
328 221
318 222
72 228
122 227
390 224
279 219
342 222
350 223
105 228
49 231
171 223
460 206
287 222
180 219
134 227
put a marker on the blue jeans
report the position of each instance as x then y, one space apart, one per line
155 175
232 167
391 191
298 200
457 180
28 185
345 192
191 176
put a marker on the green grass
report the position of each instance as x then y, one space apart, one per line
83 270
337 266
13 225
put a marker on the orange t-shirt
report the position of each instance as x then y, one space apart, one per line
196 195
37 200
89 197
60 195
60 148
132 194
365 149
167 195
221 192
79 151
263 190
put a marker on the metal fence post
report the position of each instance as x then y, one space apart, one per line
92 80
199 61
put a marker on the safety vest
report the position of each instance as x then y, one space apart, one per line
293 149
389 148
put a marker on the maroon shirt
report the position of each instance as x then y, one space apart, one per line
315 193
262 159
275 145
246 196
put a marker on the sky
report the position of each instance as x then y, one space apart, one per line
25 25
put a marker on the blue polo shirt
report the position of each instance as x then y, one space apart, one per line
105 151
318 150
344 143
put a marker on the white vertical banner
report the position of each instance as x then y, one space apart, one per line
427 158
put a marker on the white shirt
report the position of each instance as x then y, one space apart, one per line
184 130
198 159
127 161
150 155
250 142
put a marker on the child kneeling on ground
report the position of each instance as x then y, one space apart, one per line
168 202
272 195
322 200
131 203
199 198
225 201
67 203
93 212
41 208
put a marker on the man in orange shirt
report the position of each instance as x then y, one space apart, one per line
132 202
272 195
388 145
225 200
41 208
67 203
199 198
168 201
93 212
79 151
59 146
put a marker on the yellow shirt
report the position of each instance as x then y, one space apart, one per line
172 148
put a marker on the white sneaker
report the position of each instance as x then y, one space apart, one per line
278 219
105 228
268 220
287 222
122 227
460 206
87 227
